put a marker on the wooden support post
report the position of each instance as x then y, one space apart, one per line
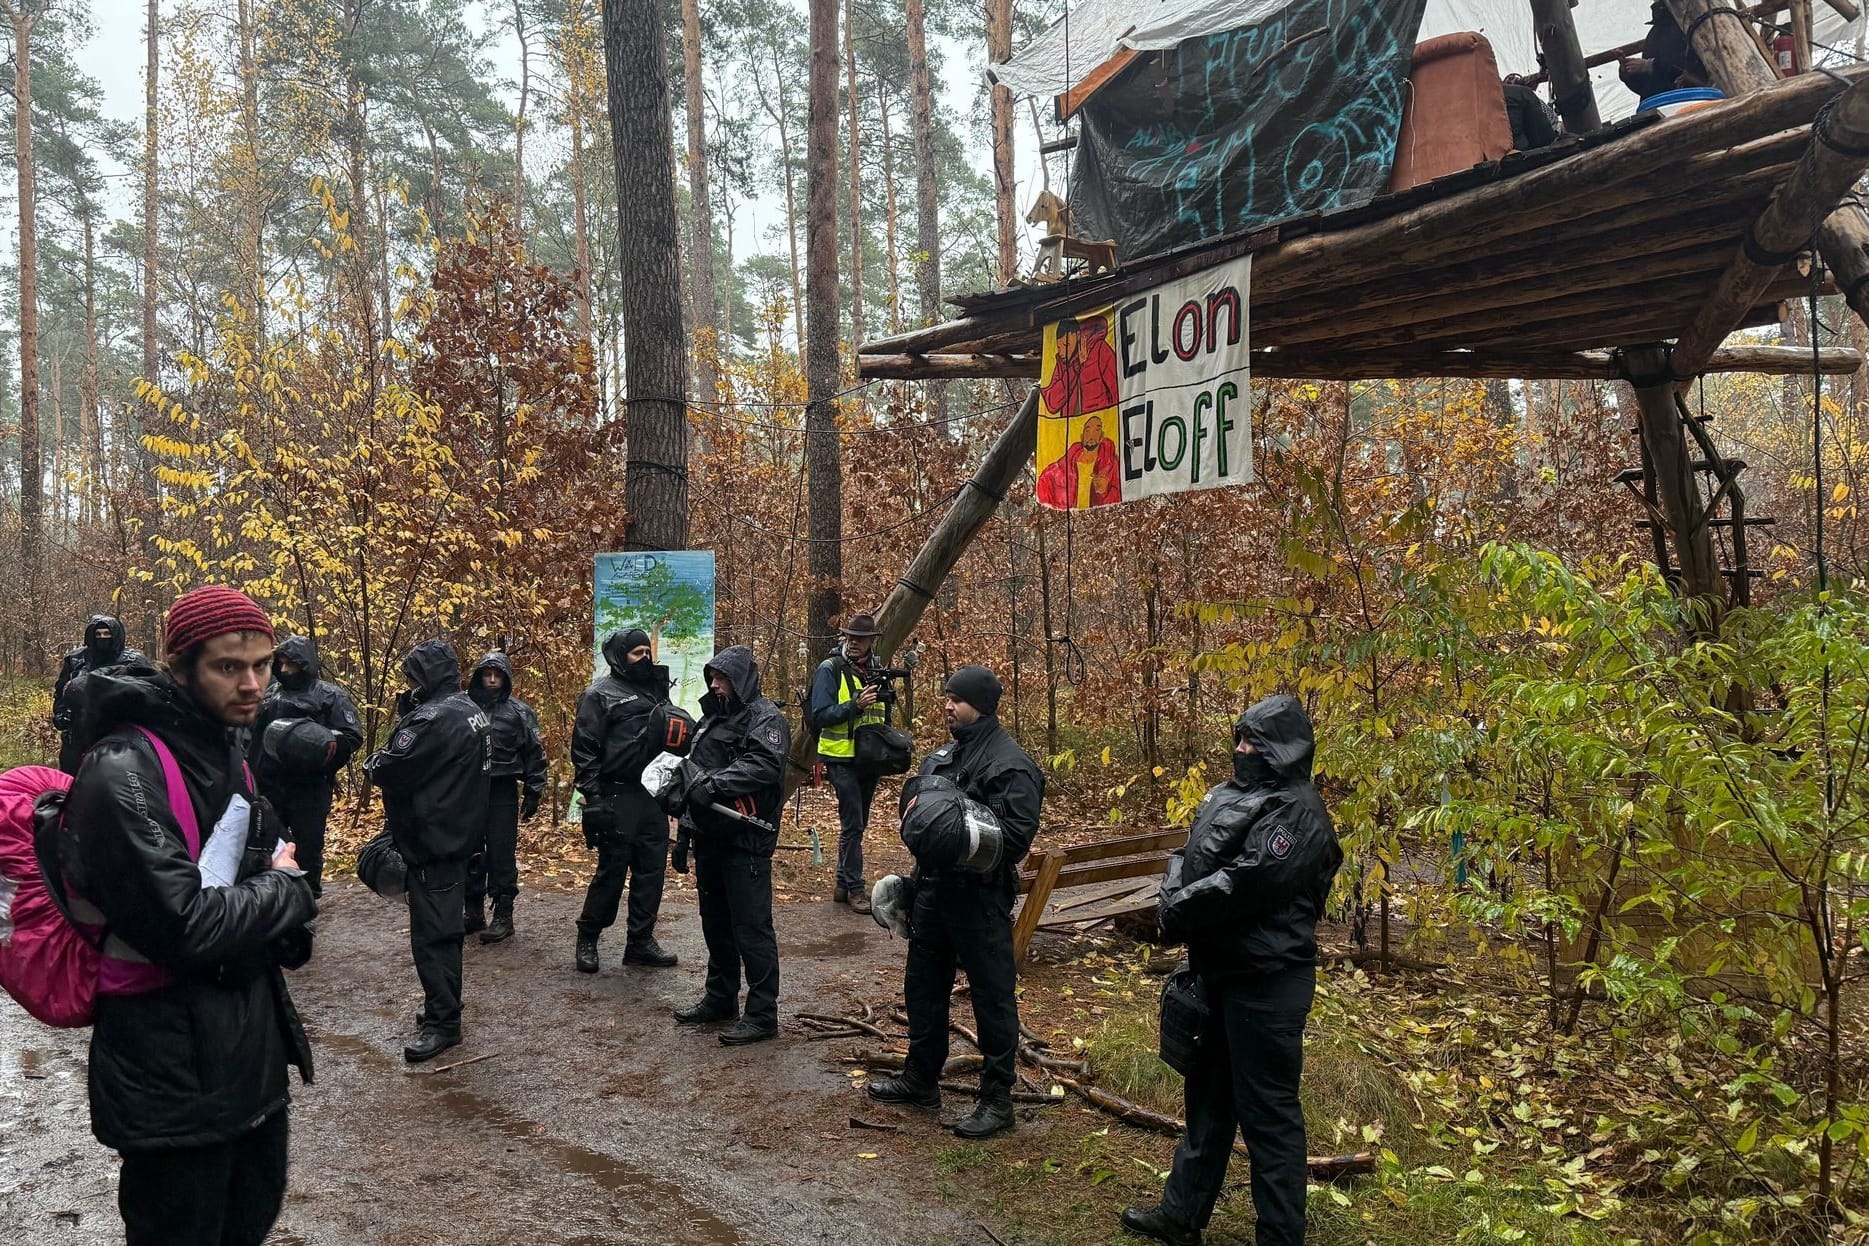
1049 866
1799 205
1725 46
1678 493
984 490
1563 57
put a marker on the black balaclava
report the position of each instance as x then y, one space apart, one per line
1253 770
642 671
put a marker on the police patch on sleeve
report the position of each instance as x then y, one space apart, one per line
1281 843
404 739
772 736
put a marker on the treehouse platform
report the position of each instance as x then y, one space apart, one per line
1541 265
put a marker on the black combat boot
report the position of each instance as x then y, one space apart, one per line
648 952
993 1115
704 1011
1156 1223
476 912
587 953
502 927
909 1090
746 1030
429 1044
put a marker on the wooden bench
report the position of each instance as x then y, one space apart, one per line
1103 861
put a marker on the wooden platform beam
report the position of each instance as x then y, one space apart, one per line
1678 493
1724 43
1838 155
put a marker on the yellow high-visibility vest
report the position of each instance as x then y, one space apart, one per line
838 742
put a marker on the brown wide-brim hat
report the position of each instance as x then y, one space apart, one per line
860 625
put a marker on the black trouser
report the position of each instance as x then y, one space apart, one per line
856 789
306 811
962 925
494 870
736 919
1246 1076
227 1194
69 754
436 924
636 849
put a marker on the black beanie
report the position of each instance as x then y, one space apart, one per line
634 637
977 686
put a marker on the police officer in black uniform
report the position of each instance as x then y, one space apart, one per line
296 766
739 752
615 737
518 762
103 646
964 920
1245 895
435 775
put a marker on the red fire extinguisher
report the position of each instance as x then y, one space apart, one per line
1784 47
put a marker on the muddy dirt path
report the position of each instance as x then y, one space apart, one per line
597 1121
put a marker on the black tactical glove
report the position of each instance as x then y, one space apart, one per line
678 859
530 804
294 949
600 822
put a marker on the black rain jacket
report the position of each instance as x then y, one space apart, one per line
435 771
201 1060
304 696
987 763
1246 892
740 747
88 656
614 737
518 745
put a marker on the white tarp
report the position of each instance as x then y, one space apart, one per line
1098 28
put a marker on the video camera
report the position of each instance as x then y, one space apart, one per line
883 680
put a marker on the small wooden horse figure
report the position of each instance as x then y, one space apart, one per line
1059 246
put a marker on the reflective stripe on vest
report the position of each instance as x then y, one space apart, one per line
838 742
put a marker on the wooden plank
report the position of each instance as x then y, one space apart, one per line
1142 900
1049 868
1092 82
1125 846
1795 212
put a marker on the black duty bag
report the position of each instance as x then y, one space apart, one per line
1184 1011
883 749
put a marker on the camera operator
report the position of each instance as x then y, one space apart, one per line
849 692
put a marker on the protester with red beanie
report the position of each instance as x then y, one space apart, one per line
193 1028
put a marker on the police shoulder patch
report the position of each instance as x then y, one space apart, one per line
404 738
1280 843
772 736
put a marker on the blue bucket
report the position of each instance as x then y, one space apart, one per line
1683 99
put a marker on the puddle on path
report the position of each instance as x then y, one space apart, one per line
607 1171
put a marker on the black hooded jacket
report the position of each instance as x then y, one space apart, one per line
89 656
203 1059
988 764
614 739
518 745
1246 892
434 771
305 695
740 747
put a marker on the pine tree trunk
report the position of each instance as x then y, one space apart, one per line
706 314
791 202
656 364
519 119
999 48
31 460
152 362
580 215
825 522
927 202
856 179
91 434
252 294
891 252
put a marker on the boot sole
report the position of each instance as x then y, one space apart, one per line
729 1040
412 1056
926 1105
487 936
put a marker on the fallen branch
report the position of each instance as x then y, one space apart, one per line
1374 956
458 1064
894 1060
851 1023
1056 1064
1328 1167
1018 1096
857 1122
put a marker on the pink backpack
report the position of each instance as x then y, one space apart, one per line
56 956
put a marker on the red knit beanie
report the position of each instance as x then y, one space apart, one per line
201 614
